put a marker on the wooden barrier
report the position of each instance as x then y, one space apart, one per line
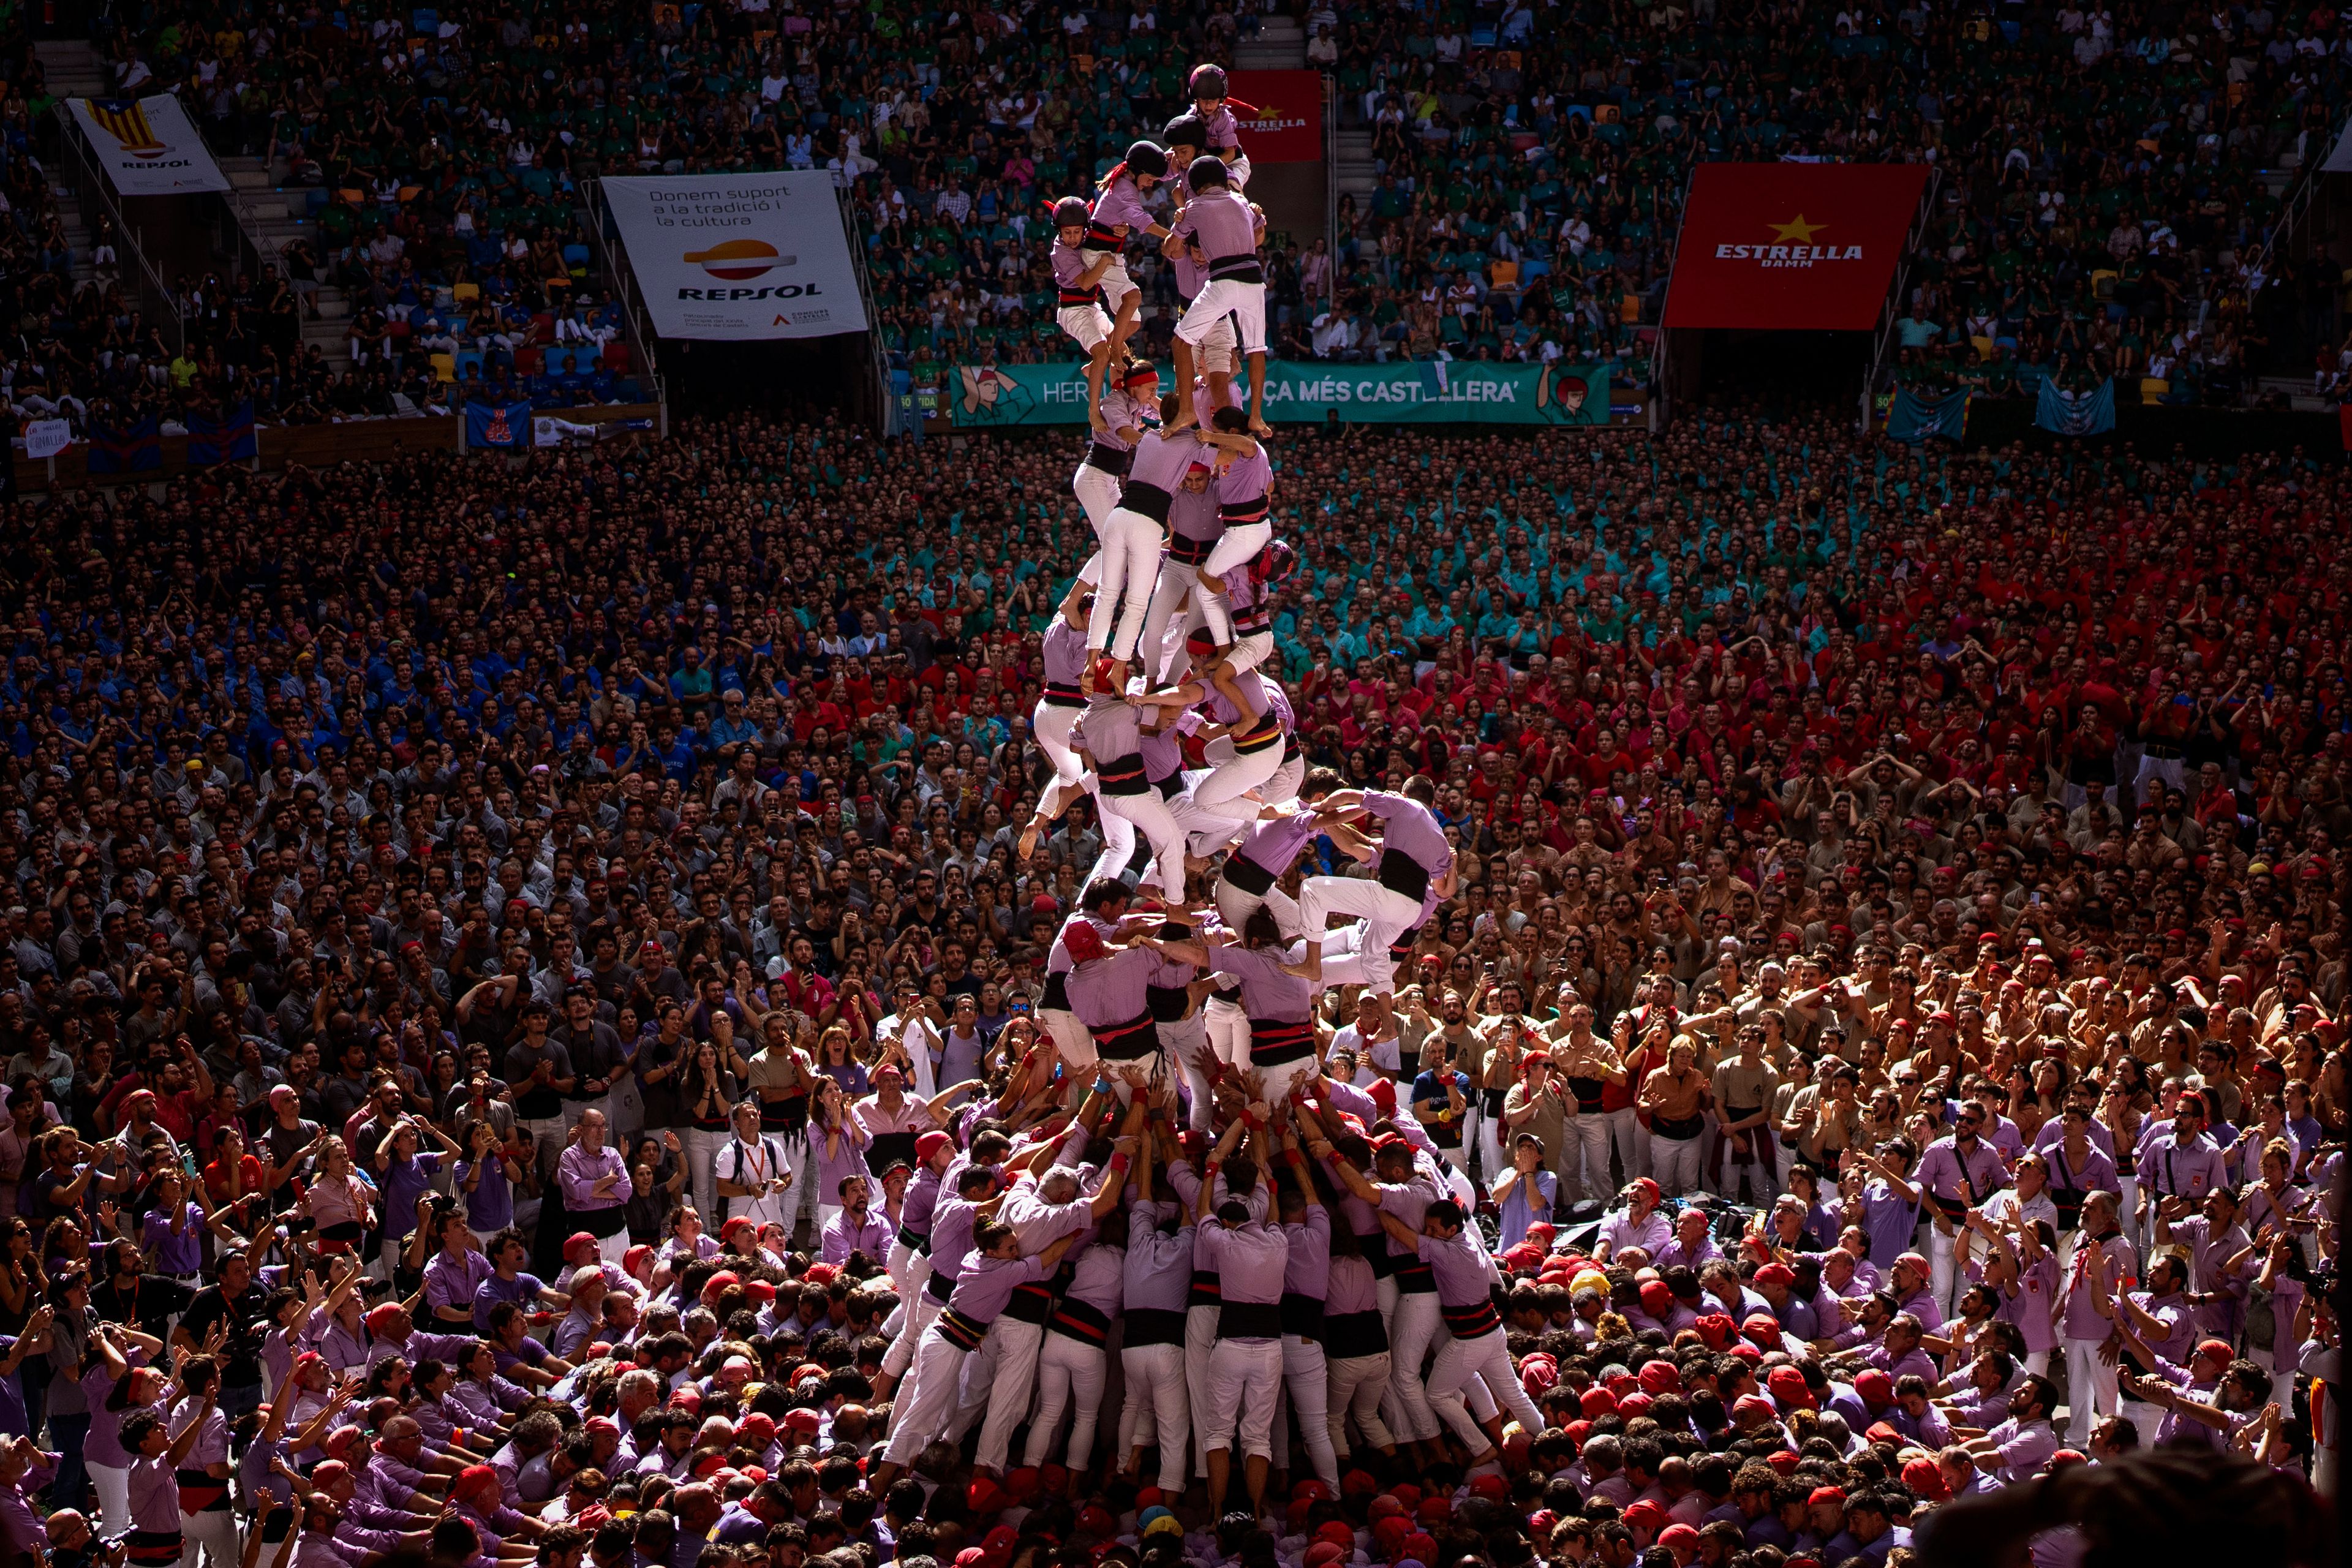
311 446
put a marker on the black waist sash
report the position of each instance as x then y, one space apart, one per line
1302 1315
1060 694
1110 459
1354 1334
1401 873
1136 1039
1153 1326
964 1333
1148 499
1235 270
1469 1323
1186 551
1247 875
1273 1041
1249 1321
1077 1321
1122 775
1031 1303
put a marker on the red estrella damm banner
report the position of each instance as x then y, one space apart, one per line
1288 125
1791 246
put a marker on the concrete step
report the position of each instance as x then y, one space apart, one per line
73 68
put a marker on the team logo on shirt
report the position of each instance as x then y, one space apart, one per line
737 260
1793 247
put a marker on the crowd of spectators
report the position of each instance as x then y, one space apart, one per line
723 739
2107 178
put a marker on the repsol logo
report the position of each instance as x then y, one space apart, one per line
773 291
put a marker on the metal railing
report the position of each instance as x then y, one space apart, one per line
1331 169
885 399
94 190
1912 241
237 233
604 234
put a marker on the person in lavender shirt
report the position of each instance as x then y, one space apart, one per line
840 1142
507 1253
855 1227
595 1185
173 1231
117 1381
486 1174
404 1174
454 1273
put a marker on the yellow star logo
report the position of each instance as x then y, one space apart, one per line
1798 230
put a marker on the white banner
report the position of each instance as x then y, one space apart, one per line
741 255
2339 158
149 145
47 438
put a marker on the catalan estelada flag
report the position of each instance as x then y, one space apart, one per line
126 121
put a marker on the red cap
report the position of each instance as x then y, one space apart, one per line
1660 1377
1678 1535
473 1479
930 1144
1784 1459
1085 943
576 1240
1787 1384
2215 1350
1776 1274
1763 1329
1643 1514
1876 1387
1825 1494
736 1227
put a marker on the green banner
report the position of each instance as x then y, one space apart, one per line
1419 392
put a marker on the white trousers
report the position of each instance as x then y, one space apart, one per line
702 1147
908 1268
1017 1348
1388 913
1097 494
1229 1031
1943 1269
1586 1158
1070 1378
1199 1344
1070 1035
2090 1389
1238 547
928 1399
1118 840
925 1306
1151 817
1489 1132
1356 955
1675 1163
1157 1410
113 1486
1412 1329
1307 1382
1179 584
1633 1142
1130 548
1051 725
1235 907
1222 792
1485 1358
214 1533
1219 297
1357 1384
1244 1382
